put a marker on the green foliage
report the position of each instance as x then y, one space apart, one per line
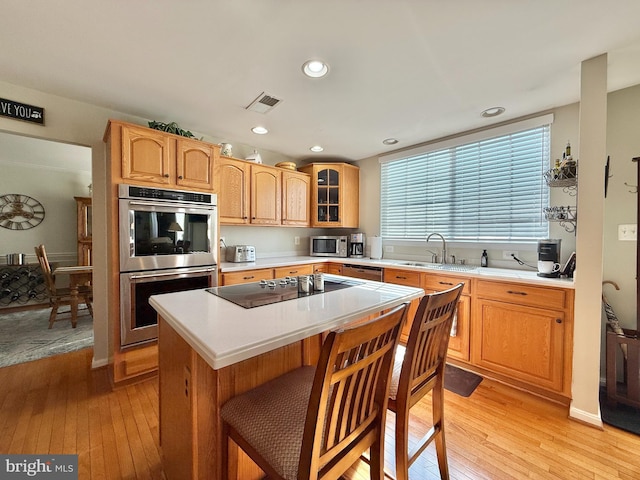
171 128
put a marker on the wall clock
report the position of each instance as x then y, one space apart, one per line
20 212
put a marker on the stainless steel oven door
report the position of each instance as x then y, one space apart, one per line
138 319
162 234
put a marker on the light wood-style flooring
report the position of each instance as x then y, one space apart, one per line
60 405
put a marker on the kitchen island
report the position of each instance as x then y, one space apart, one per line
211 349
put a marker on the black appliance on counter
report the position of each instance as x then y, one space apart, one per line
549 253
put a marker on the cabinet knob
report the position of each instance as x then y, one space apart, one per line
445 283
515 292
180 177
166 175
558 320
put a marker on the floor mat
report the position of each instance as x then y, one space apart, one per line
460 381
621 416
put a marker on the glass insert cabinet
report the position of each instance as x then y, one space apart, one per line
334 195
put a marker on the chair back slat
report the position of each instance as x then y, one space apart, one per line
49 279
427 345
349 395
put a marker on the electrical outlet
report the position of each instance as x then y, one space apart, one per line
628 232
509 254
388 248
296 240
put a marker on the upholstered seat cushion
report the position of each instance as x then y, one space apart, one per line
397 367
271 418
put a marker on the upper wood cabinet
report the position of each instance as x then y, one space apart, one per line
232 184
153 157
295 198
266 195
334 195
256 194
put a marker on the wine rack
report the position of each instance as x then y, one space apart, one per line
22 285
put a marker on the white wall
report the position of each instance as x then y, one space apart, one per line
54 189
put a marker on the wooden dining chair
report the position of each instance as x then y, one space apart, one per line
419 369
59 296
315 423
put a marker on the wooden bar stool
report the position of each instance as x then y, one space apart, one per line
418 370
315 423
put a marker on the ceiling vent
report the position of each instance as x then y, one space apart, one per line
264 103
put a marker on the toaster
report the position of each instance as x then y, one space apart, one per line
241 253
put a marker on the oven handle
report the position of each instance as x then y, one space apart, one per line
172 274
172 205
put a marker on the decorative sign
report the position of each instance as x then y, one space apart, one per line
21 111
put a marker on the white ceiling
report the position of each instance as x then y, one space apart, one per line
415 70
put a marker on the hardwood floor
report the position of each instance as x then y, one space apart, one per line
60 405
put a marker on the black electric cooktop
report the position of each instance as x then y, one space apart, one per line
257 294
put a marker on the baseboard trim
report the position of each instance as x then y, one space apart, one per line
586 417
99 363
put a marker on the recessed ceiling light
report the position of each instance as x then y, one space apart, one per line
492 112
390 141
259 130
316 148
315 68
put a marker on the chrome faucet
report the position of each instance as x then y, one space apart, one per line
444 246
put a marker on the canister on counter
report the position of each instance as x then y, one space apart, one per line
318 282
305 284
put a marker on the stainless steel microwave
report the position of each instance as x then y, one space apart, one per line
329 246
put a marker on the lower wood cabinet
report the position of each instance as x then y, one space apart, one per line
293 271
410 279
525 333
246 276
459 342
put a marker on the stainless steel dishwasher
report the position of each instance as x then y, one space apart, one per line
365 272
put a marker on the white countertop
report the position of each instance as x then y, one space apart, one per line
224 333
488 273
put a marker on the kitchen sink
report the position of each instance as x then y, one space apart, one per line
449 267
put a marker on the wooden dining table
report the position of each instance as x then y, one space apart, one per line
78 275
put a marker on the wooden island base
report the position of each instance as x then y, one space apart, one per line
192 393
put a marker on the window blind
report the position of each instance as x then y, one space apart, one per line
488 190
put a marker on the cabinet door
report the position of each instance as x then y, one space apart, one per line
334 268
147 155
334 194
195 163
459 343
525 343
295 198
232 186
265 195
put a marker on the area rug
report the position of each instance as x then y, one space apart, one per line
25 335
460 381
621 416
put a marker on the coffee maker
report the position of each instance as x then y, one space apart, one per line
356 245
549 258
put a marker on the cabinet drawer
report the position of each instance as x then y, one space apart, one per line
543 297
402 277
247 276
292 271
437 283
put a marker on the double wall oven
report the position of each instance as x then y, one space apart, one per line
168 243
